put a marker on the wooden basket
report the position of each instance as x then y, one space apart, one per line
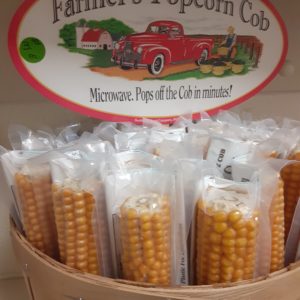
237 69
218 70
206 69
48 279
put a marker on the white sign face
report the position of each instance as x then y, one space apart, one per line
124 60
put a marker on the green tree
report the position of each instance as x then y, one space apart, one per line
81 22
115 27
68 35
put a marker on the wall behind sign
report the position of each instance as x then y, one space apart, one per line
20 103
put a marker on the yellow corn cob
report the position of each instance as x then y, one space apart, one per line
59 220
277 221
73 215
145 239
225 245
37 211
291 177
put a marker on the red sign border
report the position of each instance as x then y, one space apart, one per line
15 56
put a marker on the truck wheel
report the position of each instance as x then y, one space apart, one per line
157 65
124 67
203 57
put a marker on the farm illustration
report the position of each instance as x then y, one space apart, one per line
163 51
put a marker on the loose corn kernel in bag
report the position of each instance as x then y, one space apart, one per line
226 231
30 182
271 200
146 220
81 227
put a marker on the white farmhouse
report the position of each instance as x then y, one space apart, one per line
88 38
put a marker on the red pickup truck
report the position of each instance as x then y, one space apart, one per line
162 44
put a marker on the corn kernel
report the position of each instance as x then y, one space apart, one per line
222 242
35 195
234 216
220 227
150 220
76 237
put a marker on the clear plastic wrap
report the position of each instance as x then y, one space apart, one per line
160 138
67 135
22 138
222 151
291 177
130 160
188 175
292 250
271 199
147 227
28 175
82 229
130 141
245 128
226 231
106 131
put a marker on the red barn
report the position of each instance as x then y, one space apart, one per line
88 38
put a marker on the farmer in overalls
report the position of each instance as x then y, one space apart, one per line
230 40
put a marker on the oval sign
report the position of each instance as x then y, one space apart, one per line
122 60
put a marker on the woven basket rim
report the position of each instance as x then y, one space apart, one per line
134 286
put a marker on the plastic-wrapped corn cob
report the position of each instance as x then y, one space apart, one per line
226 236
74 210
147 225
145 239
291 177
271 211
35 197
80 208
277 221
28 176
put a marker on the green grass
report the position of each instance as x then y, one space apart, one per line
87 52
101 58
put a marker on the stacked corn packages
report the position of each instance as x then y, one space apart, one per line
207 202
